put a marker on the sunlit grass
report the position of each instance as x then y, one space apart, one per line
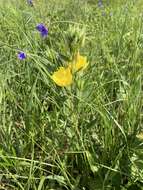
88 134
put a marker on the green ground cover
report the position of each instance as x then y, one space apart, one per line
84 136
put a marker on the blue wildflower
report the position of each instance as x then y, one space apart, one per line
21 55
42 29
30 2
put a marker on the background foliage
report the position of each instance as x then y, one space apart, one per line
84 137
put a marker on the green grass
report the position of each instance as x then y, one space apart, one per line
87 136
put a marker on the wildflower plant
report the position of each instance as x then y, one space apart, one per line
78 63
62 77
21 55
30 2
72 119
42 29
75 38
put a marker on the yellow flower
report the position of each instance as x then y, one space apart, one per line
62 77
80 62
140 136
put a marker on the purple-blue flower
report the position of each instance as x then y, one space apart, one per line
21 55
42 29
30 2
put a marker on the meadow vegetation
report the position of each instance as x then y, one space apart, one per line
84 132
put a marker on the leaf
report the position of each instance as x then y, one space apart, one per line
58 178
91 162
41 182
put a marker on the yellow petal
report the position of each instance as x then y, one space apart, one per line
62 77
140 136
79 63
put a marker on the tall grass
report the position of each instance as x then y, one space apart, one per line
87 136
